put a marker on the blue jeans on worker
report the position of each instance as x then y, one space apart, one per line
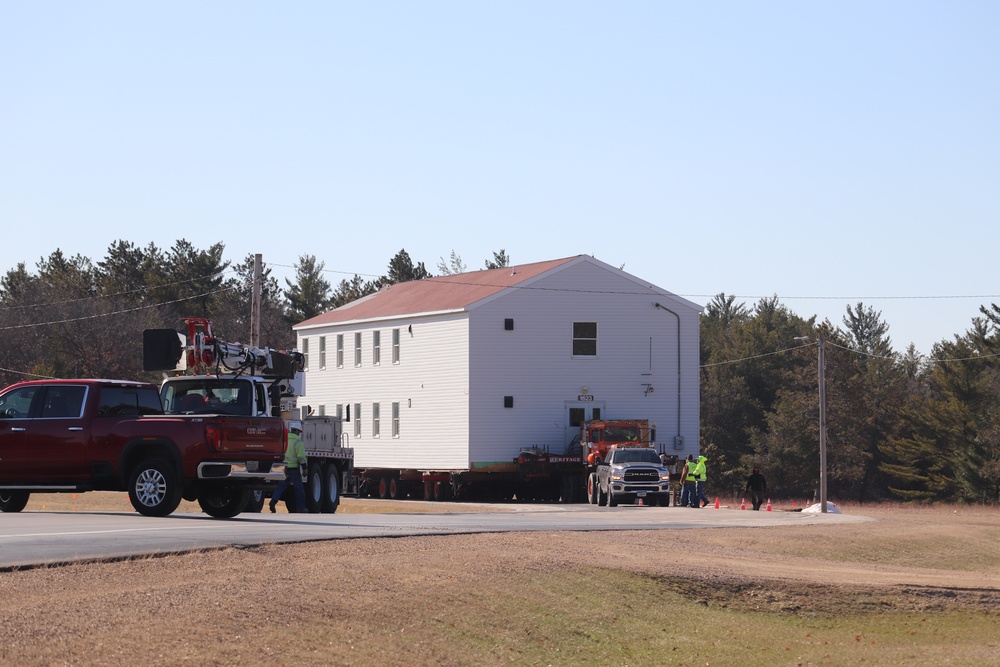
699 494
687 495
293 478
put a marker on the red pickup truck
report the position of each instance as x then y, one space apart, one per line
108 435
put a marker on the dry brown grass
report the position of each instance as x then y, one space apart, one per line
915 587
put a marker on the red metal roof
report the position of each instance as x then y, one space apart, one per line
444 293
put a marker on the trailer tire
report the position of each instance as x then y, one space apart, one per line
13 501
331 488
223 502
428 490
256 503
153 488
314 488
383 488
441 491
397 491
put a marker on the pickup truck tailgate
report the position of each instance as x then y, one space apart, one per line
245 435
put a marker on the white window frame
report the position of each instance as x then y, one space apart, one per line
305 354
357 349
595 340
376 418
322 352
395 419
357 420
376 348
340 350
395 346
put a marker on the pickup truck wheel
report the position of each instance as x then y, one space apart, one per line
602 498
331 489
153 488
13 501
223 503
612 501
314 488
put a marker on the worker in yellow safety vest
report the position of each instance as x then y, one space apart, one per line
295 470
700 474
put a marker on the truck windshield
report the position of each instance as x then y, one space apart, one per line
621 434
196 396
636 456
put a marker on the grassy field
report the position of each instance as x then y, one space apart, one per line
919 586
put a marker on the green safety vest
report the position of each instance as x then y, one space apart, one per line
700 469
691 472
296 452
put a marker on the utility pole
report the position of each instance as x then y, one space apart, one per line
821 344
255 303
822 422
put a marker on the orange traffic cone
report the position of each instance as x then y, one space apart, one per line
768 504
743 503
717 502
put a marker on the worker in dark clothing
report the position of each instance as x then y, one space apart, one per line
756 488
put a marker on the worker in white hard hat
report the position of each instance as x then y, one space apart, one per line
295 470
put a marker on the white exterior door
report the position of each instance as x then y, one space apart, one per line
578 412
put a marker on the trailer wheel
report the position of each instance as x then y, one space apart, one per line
383 488
441 491
224 502
396 489
256 503
314 488
153 488
13 501
428 490
331 488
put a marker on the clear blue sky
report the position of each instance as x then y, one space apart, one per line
845 150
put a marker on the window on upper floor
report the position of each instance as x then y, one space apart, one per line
340 350
376 347
584 339
322 351
357 349
395 346
305 354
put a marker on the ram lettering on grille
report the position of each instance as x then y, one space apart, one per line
641 475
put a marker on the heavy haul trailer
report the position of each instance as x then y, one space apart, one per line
534 475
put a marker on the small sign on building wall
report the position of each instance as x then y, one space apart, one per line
585 397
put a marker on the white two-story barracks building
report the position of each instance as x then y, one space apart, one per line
462 371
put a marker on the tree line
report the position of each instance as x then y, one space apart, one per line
899 425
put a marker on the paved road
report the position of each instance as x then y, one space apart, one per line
44 538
